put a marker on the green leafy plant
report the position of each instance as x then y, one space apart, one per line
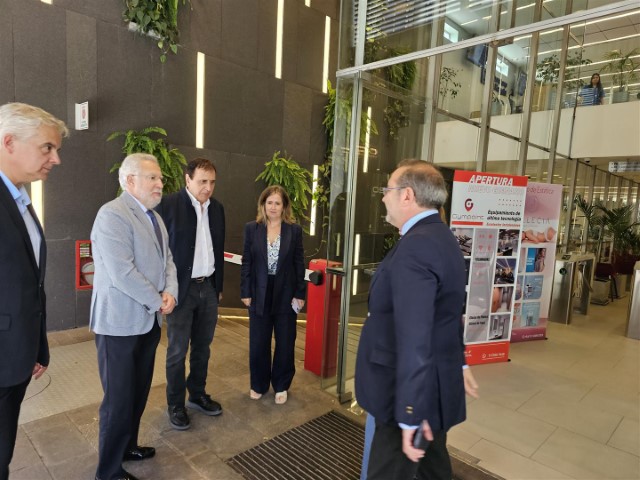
286 172
150 140
448 85
401 75
618 223
623 67
157 19
591 213
548 69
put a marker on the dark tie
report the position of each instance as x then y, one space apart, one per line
156 227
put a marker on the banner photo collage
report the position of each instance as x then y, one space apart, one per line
537 259
487 212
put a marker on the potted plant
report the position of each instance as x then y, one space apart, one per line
157 19
593 219
548 71
624 69
618 223
171 160
296 180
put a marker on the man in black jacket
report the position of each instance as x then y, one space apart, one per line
29 142
195 223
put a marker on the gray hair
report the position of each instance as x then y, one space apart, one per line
131 166
23 121
425 180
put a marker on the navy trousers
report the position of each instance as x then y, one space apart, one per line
10 401
261 329
126 371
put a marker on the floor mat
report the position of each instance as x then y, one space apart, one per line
326 448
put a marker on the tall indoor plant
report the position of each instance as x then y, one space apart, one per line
151 140
624 69
296 180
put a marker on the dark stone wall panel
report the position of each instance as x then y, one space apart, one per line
318 136
243 111
109 11
267 33
329 9
173 97
290 40
311 48
297 121
240 32
82 66
224 129
124 79
60 284
201 26
262 108
7 88
70 200
40 57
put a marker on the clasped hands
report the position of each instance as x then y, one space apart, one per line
168 303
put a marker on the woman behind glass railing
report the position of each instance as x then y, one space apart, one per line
592 94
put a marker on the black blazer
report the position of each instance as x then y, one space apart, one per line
23 328
289 279
180 219
411 351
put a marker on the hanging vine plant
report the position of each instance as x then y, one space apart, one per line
157 19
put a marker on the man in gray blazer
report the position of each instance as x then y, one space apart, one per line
134 285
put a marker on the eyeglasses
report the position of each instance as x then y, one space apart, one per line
386 190
151 178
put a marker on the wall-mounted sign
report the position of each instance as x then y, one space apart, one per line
621 167
82 116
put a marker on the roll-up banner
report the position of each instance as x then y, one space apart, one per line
487 212
537 258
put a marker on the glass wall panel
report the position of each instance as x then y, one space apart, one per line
599 186
563 175
391 125
503 154
612 194
582 188
624 192
461 86
537 165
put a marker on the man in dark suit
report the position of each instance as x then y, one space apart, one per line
134 285
29 142
409 367
196 223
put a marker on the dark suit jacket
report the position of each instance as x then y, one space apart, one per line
411 352
289 279
180 219
23 330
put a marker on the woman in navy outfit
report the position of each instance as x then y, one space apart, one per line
272 287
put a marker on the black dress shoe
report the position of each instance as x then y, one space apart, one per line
139 453
178 417
125 476
204 404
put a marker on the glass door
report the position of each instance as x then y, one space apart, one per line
377 125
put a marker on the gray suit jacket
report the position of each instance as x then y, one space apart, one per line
131 269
